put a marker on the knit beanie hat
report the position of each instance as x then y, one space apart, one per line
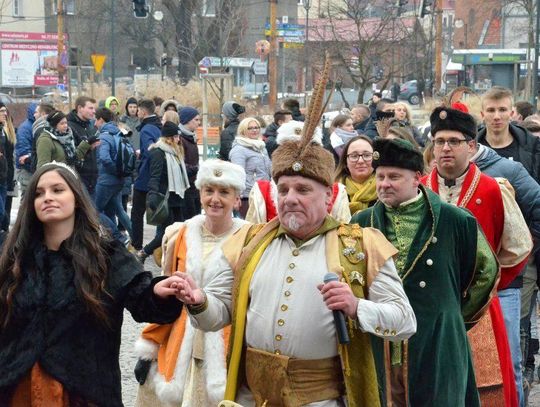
169 129
55 117
232 110
131 101
187 114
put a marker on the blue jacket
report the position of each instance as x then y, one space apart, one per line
526 188
106 155
149 133
24 138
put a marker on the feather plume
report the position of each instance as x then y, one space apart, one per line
316 107
457 94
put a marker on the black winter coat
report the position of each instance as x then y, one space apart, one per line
226 138
191 156
7 165
159 179
82 130
51 325
270 136
528 148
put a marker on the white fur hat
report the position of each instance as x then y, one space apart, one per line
292 131
223 173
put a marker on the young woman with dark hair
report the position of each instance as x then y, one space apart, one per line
64 284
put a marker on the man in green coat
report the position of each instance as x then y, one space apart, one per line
449 274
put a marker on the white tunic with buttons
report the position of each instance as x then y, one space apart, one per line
287 314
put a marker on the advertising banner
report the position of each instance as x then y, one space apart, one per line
29 64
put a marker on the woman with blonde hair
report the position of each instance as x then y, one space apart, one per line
7 169
249 152
168 181
180 365
403 115
170 116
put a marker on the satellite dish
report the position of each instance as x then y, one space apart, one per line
158 15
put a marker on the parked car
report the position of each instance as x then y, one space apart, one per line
409 92
6 99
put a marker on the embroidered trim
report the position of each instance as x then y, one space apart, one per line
472 188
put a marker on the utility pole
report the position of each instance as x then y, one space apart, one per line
113 63
60 41
272 57
438 44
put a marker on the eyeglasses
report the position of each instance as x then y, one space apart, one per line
354 157
253 128
453 142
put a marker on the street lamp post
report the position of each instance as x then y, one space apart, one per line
307 6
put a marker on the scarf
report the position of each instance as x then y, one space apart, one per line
177 178
257 145
67 143
345 135
187 132
360 195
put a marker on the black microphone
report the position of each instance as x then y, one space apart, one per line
339 317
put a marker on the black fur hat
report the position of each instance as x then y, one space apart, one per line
396 153
445 118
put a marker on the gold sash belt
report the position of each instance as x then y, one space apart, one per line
277 380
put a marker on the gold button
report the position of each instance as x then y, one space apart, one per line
287 293
386 332
292 265
295 252
290 279
284 307
278 337
281 322
277 352
377 329
393 333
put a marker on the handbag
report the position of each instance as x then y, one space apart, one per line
159 215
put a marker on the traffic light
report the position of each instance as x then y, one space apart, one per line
425 7
140 9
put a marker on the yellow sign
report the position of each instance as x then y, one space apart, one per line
98 60
293 45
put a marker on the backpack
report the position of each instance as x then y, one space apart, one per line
125 157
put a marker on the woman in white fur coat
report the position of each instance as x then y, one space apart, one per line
179 365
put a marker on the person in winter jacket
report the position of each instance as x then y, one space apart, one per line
131 120
7 167
271 132
168 174
508 140
293 106
23 148
109 185
190 120
230 112
169 104
249 152
65 285
113 104
80 121
43 110
149 132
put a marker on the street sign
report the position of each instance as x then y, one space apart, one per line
260 68
98 60
292 45
286 26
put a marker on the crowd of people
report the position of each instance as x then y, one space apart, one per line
366 263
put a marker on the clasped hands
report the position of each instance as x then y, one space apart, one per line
182 286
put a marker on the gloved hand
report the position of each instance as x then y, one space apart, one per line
141 370
92 139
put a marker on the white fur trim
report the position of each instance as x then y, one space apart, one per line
214 348
145 349
292 131
223 173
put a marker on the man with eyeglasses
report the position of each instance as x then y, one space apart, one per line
461 183
448 293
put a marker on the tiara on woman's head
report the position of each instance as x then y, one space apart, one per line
63 165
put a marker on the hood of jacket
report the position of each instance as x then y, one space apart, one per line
30 110
187 134
486 157
167 103
73 117
110 128
153 120
111 99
